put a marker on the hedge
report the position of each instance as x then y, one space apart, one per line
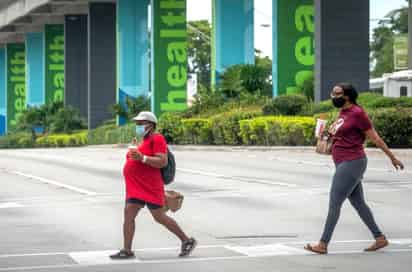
170 125
17 140
278 130
62 140
291 104
226 126
394 125
25 140
219 129
197 131
232 128
111 134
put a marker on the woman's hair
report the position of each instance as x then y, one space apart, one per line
349 91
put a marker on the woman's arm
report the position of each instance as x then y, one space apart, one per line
377 140
159 160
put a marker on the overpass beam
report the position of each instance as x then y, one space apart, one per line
233 35
132 54
76 63
35 68
102 62
342 45
3 94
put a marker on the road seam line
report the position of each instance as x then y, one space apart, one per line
215 175
56 183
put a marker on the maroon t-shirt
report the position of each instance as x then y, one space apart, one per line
349 134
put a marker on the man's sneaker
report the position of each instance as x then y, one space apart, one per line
123 255
187 247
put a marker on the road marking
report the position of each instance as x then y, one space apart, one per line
111 251
331 165
245 179
268 250
8 205
56 183
95 258
401 241
188 260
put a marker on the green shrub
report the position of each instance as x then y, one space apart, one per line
16 140
366 98
244 78
255 78
98 135
171 127
394 125
62 140
112 134
321 107
66 120
375 101
308 88
226 127
292 104
278 130
131 107
197 131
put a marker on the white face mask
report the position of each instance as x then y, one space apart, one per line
140 130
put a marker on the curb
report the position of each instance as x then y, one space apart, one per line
225 148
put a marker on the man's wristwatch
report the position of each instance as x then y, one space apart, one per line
144 159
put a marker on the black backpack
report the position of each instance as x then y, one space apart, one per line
169 171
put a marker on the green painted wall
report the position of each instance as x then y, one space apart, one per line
54 53
169 56
15 82
294 42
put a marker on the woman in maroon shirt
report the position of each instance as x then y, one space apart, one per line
349 134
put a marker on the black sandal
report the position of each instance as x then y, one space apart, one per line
123 255
187 247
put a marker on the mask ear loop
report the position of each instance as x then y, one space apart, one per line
149 130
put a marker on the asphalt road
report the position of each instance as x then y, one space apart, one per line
250 210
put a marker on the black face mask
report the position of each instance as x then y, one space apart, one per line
338 101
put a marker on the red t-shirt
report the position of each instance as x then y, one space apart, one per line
349 134
143 181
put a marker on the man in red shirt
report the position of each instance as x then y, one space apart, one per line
349 134
145 187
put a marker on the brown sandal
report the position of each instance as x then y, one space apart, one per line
379 243
316 249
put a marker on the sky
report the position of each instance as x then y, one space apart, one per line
202 9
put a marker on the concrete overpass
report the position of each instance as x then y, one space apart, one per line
92 54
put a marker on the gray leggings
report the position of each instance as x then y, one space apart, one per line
347 183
